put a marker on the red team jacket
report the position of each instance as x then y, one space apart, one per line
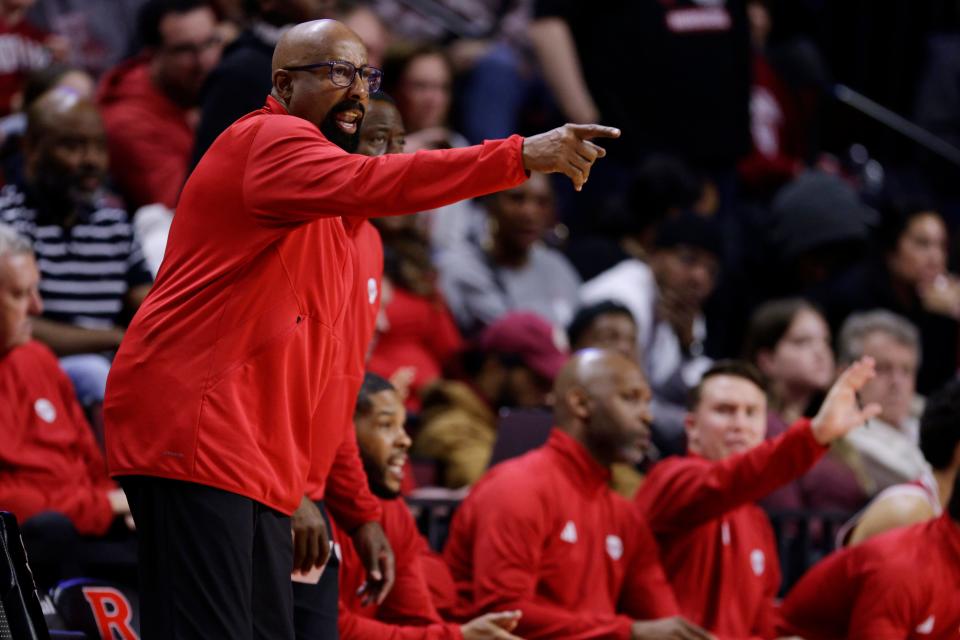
544 533
336 473
222 371
408 612
49 460
718 548
902 585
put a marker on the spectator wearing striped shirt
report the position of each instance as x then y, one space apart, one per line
92 271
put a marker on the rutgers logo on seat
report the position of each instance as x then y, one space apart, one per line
102 610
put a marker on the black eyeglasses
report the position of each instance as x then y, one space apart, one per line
343 73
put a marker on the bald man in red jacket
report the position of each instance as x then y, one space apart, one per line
544 534
212 397
900 585
717 546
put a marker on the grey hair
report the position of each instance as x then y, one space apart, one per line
859 325
12 243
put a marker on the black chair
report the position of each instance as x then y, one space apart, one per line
21 617
519 431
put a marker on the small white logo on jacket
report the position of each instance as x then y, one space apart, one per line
45 410
569 533
926 627
758 561
614 547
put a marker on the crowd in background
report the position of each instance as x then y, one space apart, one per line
744 213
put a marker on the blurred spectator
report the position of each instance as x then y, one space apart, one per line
609 325
666 297
789 341
910 278
777 120
899 585
818 228
544 534
516 271
241 81
513 365
52 474
97 33
90 264
13 126
718 548
927 495
888 444
23 48
416 333
149 103
662 185
407 609
364 21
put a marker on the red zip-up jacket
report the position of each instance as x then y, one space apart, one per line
223 368
336 472
49 460
902 585
408 612
545 534
718 548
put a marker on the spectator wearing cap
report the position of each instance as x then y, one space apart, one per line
666 295
909 277
513 364
513 270
819 228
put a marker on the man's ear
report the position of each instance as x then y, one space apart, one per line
283 85
764 361
689 425
579 403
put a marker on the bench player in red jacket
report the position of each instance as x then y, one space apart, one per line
717 546
544 533
211 399
899 585
407 613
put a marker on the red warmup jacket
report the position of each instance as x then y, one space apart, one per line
222 371
902 585
149 137
718 548
408 612
336 472
544 533
49 460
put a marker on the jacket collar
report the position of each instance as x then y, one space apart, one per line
581 467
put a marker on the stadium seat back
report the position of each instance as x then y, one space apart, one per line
519 431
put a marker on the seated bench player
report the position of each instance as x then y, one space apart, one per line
545 534
903 584
407 613
717 546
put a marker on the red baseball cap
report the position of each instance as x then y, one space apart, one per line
541 346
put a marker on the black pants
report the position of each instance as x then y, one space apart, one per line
213 564
315 605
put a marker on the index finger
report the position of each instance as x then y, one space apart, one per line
587 131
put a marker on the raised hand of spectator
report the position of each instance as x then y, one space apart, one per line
311 540
841 412
374 550
675 628
492 625
942 296
679 314
567 150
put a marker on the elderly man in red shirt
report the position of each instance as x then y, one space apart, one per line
718 548
215 395
903 584
544 533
